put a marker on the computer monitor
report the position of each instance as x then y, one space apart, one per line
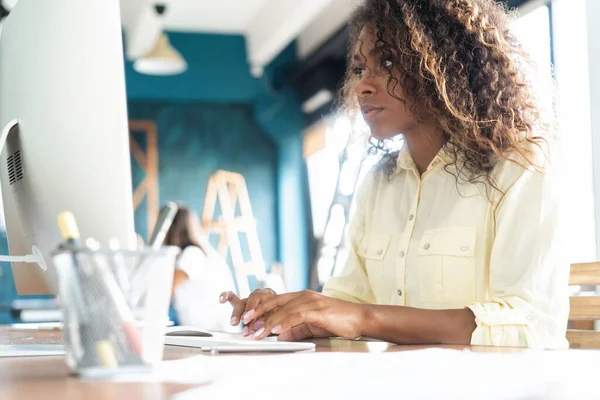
62 79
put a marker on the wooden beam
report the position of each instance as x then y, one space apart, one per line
152 171
583 339
585 307
148 161
140 125
582 325
138 153
139 193
585 274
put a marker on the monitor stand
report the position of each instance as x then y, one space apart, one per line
35 257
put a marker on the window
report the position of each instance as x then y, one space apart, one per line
335 172
556 31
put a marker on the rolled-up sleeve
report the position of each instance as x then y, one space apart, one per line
353 283
528 303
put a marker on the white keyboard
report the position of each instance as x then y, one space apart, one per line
233 343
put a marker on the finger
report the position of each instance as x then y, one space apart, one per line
253 327
274 323
228 297
238 307
258 324
274 302
257 297
236 302
302 314
253 301
223 297
236 314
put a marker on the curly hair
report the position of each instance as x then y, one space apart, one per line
466 70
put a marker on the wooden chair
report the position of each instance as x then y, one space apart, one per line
584 308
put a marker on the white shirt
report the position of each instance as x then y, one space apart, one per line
426 242
197 299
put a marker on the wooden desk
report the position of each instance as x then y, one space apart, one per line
44 378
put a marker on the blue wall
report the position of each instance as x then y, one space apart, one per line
194 141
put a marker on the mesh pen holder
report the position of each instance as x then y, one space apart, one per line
115 307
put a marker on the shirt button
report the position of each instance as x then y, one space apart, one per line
399 292
530 317
379 252
410 217
464 247
427 246
401 254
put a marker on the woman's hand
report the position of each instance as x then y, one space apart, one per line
242 306
300 315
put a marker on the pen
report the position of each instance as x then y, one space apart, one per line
118 303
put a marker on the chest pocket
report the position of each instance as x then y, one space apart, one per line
373 248
446 265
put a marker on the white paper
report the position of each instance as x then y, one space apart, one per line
419 374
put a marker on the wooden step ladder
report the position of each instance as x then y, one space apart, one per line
229 190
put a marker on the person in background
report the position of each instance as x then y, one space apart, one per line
200 272
457 238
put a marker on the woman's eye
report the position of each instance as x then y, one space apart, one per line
358 71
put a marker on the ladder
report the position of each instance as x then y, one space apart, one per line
228 190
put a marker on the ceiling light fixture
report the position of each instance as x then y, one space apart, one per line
163 59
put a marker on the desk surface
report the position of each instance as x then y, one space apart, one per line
48 377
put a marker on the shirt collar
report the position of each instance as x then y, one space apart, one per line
404 160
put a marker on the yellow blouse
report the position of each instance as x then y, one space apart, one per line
428 242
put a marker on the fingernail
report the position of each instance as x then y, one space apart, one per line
234 321
247 316
258 324
246 331
258 333
222 298
276 329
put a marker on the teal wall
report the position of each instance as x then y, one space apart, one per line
217 73
197 139
7 286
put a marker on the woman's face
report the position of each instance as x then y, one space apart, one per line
386 115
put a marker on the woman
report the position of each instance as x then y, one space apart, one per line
456 237
200 273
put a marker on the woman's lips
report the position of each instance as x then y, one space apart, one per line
369 112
